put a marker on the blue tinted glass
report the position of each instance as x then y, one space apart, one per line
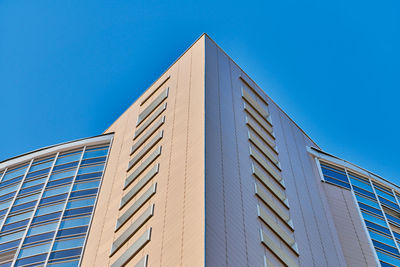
69 158
336 182
15 225
374 219
68 243
7 264
5 204
368 201
10 245
385 195
31 189
59 175
334 174
65 166
65 253
46 217
39 238
6 196
361 184
370 209
60 181
93 161
49 209
54 198
384 264
35 230
37 173
64 264
381 238
26 199
12 181
86 192
80 221
388 203
88 176
9 189
95 153
30 251
3 212
364 192
10 237
377 227
23 206
41 166
34 182
393 219
22 216
56 191
14 173
81 203
35 259
72 231
386 258
79 211
87 185
96 168
385 247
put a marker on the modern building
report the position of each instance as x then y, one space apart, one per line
203 169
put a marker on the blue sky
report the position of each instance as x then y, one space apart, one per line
68 69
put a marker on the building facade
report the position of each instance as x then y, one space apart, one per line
203 169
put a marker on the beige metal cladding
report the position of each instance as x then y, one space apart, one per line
151 206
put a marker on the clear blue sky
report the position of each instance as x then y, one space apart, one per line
68 69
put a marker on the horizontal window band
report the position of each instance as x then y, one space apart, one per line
152 118
264 150
147 135
262 135
265 124
152 157
155 90
261 97
277 229
133 192
283 214
145 150
152 106
274 248
132 229
257 107
143 261
270 185
136 206
265 165
134 249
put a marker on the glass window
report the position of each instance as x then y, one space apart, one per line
31 189
14 173
5 204
31 260
79 211
364 192
12 181
81 203
96 168
22 216
389 259
72 231
73 263
80 221
59 175
65 253
9 189
87 185
23 206
11 226
7 196
56 191
34 182
381 238
89 176
60 182
9 245
65 166
95 153
68 243
10 237
26 199
83 193
93 161
39 238
30 251
374 219
41 165
360 184
69 158
49 209
35 230
386 195
46 217
367 201
37 173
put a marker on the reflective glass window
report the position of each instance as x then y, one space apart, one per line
382 238
96 168
54 199
69 158
30 251
34 182
94 153
73 263
39 238
26 199
56 191
81 203
19 217
41 166
367 201
46 217
60 175
35 230
5 204
74 222
31 260
14 173
68 243
49 209
362 185
87 185
10 237
38 173
9 189
65 166
89 176
65 253
386 258
374 219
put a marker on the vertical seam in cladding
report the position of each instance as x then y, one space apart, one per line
186 159
325 216
238 164
352 223
222 159
112 186
309 193
169 165
295 187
